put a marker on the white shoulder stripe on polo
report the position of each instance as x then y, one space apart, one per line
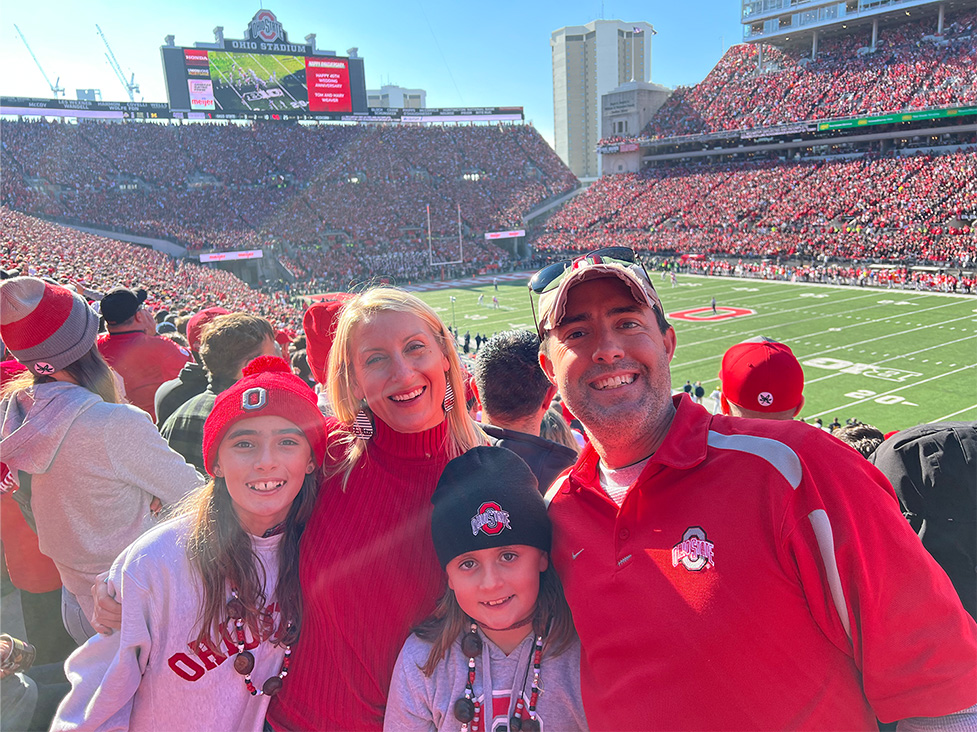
826 544
774 452
554 489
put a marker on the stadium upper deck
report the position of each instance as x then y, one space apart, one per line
910 68
244 186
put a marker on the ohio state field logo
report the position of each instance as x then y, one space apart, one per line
706 314
490 519
265 25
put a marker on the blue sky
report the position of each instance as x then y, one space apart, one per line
462 53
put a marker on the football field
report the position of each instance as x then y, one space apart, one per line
892 358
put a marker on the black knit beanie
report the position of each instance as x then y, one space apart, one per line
487 498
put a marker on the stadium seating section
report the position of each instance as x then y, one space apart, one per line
907 71
878 209
324 188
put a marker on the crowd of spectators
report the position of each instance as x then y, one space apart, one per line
243 186
43 249
917 209
909 69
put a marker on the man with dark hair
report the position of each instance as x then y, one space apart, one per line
143 359
228 343
729 564
862 437
515 395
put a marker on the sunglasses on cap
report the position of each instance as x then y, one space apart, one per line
550 277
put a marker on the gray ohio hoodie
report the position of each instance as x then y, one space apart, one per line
95 468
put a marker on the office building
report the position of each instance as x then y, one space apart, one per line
396 97
590 61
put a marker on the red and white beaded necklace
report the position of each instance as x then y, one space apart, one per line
244 661
468 711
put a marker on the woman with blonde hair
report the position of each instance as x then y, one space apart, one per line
367 564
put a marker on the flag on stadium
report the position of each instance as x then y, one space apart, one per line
452 298
638 30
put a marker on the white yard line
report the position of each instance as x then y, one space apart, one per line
947 416
886 393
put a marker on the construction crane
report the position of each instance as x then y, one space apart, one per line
56 88
132 88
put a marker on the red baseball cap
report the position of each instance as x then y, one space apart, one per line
762 375
196 325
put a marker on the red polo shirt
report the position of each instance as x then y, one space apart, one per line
144 362
758 575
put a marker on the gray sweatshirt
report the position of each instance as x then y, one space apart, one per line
419 702
150 675
96 467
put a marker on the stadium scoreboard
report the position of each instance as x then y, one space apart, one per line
260 74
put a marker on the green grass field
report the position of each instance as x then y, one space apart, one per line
891 358
223 62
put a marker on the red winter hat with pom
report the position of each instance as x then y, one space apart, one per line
268 387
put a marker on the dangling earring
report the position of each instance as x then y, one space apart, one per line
449 396
363 425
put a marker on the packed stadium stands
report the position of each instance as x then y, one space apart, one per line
43 249
908 70
233 186
916 208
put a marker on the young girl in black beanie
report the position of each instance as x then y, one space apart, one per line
500 648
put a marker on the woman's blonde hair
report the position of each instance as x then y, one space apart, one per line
463 433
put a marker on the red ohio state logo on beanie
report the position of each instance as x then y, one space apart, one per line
254 398
490 519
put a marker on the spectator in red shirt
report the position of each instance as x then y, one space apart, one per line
131 347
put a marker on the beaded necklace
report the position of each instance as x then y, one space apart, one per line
468 711
244 661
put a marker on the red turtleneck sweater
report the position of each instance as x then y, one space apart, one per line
369 574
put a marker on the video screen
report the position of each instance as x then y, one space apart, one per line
241 82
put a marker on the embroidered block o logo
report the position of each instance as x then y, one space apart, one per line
254 398
490 518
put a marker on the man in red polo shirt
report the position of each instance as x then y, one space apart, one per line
728 573
143 359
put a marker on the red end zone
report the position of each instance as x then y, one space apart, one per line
704 314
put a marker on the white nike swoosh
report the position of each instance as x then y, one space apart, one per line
576 553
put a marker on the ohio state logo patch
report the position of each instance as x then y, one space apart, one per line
490 519
254 398
44 368
765 399
695 552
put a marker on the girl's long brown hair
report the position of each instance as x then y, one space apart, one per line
220 550
552 620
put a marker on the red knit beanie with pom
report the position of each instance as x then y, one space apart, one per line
268 387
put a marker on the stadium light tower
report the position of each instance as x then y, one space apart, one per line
56 88
132 88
